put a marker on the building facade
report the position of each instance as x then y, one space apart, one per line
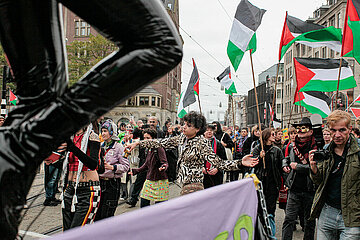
330 14
160 98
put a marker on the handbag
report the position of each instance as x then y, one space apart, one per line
228 151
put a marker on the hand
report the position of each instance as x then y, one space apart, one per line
248 161
108 166
293 165
130 173
313 164
47 161
224 144
213 171
262 154
204 171
131 146
162 168
286 169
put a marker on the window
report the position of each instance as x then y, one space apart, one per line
144 101
303 50
323 52
153 101
159 103
331 53
332 21
317 54
278 108
278 93
338 20
82 28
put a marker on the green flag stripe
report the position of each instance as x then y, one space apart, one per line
182 113
231 89
355 28
312 109
329 85
235 55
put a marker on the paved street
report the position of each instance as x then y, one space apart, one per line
50 220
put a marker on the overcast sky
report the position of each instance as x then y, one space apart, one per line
208 22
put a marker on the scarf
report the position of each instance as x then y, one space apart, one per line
241 143
305 146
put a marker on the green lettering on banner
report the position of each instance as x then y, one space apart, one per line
222 236
243 222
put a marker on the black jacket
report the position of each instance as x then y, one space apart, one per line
304 168
276 157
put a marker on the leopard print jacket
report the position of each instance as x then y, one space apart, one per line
192 155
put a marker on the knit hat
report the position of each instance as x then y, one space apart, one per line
111 127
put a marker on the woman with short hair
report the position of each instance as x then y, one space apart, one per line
194 150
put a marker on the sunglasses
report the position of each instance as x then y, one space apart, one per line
302 129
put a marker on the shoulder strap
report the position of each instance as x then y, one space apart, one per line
222 137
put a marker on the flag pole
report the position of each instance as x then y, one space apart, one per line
274 95
338 83
300 105
290 114
199 103
257 105
233 112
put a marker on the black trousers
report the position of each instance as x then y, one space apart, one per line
110 193
296 202
30 34
88 196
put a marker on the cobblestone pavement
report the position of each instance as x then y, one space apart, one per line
50 220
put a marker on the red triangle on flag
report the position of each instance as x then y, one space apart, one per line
286 36
12 96
303 75
298 96
357 99
355 111
196 86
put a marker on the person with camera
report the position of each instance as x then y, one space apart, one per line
337 198
301 188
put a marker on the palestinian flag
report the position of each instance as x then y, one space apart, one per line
242 34
351 37
357 100
225 80
315 102
310 34
196 85
12 98
188 97
355 111
314 74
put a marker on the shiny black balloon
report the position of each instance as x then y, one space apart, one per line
48 111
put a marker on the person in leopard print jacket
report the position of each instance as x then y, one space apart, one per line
194 150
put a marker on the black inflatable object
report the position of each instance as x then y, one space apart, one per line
48 111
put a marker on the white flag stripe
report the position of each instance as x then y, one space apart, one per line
226 82
334 45
332 74
240 35
316 102
181 105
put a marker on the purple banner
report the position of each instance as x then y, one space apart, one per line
223 212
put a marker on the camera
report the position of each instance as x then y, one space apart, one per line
320 154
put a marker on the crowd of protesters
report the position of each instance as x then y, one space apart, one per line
97 162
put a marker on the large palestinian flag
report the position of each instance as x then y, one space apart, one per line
351 37
319 74
225 80
310 34
315 102
242 34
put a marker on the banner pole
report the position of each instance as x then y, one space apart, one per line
274 95
199 103
257 105
233 112
338 83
